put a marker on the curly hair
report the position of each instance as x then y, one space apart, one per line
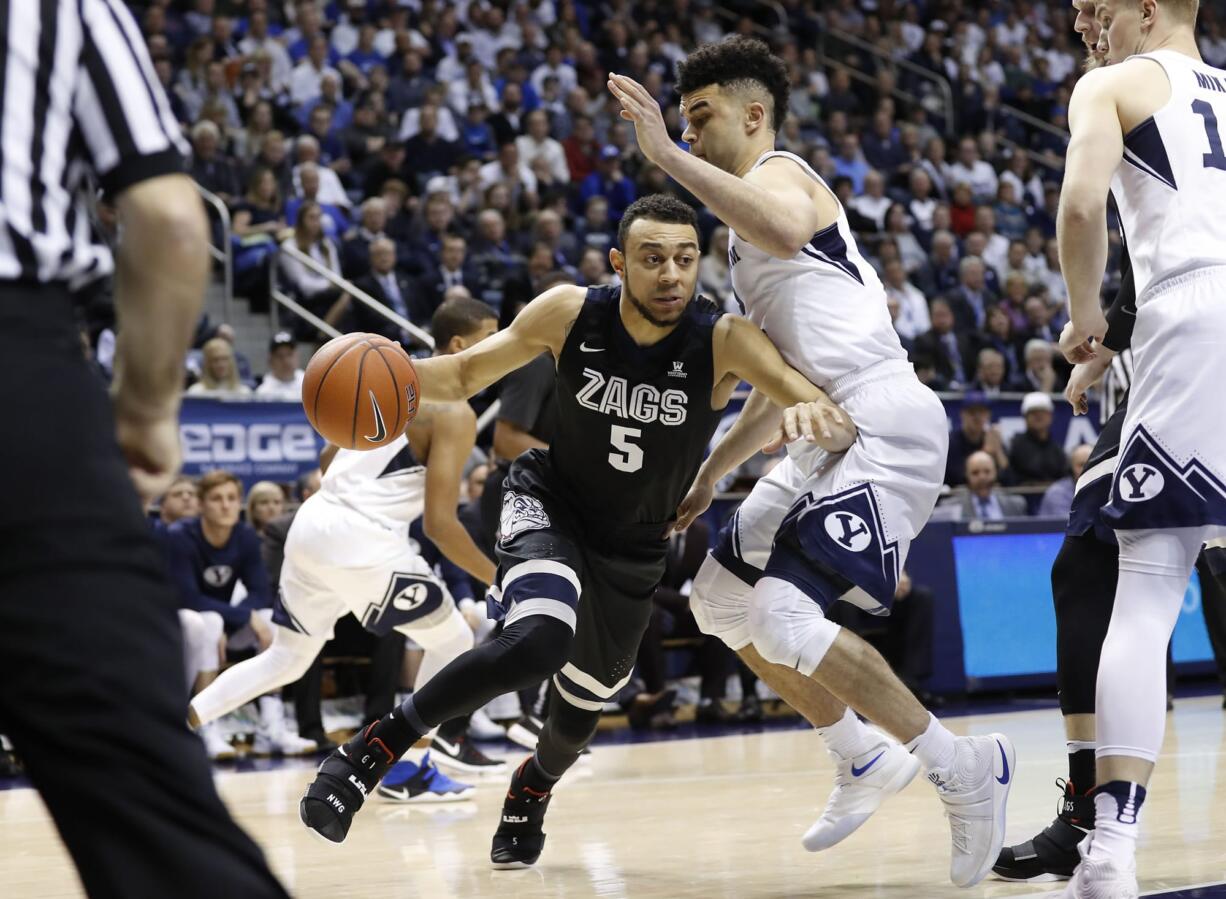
657 208
737 62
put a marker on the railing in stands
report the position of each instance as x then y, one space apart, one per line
223 254
342 284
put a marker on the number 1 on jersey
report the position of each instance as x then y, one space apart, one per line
1215 158
627 455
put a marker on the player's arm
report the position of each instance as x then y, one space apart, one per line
540 326
326 455
742 349
451 441
1094 153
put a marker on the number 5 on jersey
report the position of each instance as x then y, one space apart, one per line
627 455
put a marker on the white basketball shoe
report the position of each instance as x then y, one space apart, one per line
861 784
1106 878
974 789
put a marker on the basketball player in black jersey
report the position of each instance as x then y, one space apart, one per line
1084 575
644 372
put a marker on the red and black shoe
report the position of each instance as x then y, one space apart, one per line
1052 854
519 839
346 777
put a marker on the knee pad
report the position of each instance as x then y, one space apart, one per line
719 601
787 627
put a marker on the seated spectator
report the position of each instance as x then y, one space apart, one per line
1011 219
941 274
393 290
257 224
427 153
265 502
507 122
473 87
595 228
283 380
714 275
211 556
365 137
582 149
330 190
990 373
448 126
962 210
976 244
972 297
510 170
1058 498
1039 373
493 256
1013 300
1034 455
882 145
850 163
273 154
313 290
209 168
219 372
333 220
594 268
984 500
179 501
536 143
355 251
913 317
609 182
550 229
975 433
476 136
321 126
1052 278
971 170
873 204
898 229
922 204
452 270
947 349
995 251
308 75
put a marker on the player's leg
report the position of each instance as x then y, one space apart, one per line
542 596
1131 696
868 767
1083 582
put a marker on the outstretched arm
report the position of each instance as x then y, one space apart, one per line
1095 151
539 327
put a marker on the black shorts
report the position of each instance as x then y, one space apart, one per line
1093 489
614 568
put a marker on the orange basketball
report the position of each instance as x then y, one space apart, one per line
360 390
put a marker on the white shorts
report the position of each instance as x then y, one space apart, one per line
851 515
1172 465
339 561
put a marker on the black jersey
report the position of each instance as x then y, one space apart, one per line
633 422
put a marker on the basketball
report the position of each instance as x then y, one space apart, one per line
359 391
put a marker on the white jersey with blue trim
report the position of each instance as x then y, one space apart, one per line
825 308
387 484
1169 184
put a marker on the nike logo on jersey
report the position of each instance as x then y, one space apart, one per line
584 348
856 772
380 428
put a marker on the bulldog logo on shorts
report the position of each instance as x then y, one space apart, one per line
520 513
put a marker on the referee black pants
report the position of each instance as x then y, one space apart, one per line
92 692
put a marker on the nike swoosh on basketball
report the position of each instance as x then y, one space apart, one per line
856 772
584 348
1004 760
380 427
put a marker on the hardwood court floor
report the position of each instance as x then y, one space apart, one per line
712 817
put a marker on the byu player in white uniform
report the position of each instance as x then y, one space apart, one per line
348 549
820 528
1149 129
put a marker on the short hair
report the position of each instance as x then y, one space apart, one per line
457 317
1035 344
1187 10
211 480
656 208
987 353
205 126
738 62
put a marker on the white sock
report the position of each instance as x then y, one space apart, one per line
272 714
849 736
1117 809
934 747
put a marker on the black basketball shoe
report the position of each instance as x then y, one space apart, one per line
1052 855
519 839
345 779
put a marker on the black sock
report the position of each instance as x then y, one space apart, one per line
398 729
536 778
454 729
1081 773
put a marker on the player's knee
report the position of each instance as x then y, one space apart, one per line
569 727
291 653
535 647
719 601
448 639
787 627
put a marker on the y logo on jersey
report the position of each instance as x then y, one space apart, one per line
849 531
1140 482
218 575
380 427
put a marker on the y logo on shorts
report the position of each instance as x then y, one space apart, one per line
849 531
1140 482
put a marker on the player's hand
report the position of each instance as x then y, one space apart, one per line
817 422
150 444
641 108
697 501
262 630
1080 381
1076 338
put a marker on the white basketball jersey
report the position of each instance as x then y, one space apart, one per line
387 484
824 308
1171 183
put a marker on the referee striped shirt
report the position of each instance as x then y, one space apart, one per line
80 108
